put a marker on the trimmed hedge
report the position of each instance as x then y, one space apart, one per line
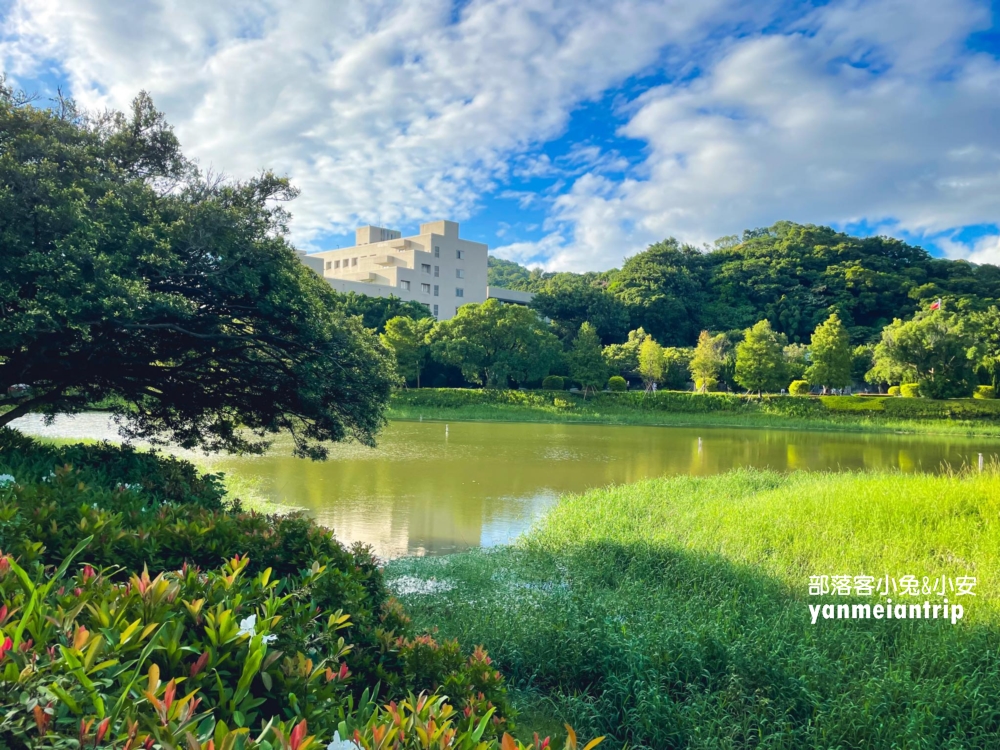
699 403
553 383
909 390
984 392
893 390
618 384
798 388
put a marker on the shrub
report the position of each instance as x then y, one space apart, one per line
245 648
125 529
799 388
561 403
553 383
617 384
909 390
705 385
984 392
893 390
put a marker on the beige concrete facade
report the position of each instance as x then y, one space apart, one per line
436 267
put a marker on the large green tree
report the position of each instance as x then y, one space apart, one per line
662 288
650 362
937 349
375 312
760 362
569 300
707 361
586 361
493 343
987 323
830 355
408 340
128 278
623 359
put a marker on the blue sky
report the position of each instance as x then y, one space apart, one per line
563 133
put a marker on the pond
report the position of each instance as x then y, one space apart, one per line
431 488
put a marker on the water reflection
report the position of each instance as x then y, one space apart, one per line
428 491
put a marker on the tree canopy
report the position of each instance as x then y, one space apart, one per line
793 275
493 343
939 350
830 354
129 278
760 364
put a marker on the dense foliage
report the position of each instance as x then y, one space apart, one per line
792 275
128 277
149 612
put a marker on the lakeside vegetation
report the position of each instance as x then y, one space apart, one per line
673 612
848 413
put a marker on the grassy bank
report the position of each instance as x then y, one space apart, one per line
677 408
674 613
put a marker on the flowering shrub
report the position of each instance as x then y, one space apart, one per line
291 630
147 661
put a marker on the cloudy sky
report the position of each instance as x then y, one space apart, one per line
563 133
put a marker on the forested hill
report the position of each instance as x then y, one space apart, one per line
790 274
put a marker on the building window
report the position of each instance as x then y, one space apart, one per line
336 264
435 311
460 254
425 267
425 288
437 270
437 251
436 290
459 273
354 261
459 292
403 284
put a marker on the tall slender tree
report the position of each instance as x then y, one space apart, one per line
760 364
586 361
830 355
707 361
650 362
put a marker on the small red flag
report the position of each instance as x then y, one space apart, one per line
936 305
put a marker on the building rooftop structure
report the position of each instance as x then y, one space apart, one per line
435 267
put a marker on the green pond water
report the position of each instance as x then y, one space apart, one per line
429 488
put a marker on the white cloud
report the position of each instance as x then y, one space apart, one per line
864 111
370 106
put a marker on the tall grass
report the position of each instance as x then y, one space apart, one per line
673 612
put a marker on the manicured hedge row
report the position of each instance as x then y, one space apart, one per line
687 402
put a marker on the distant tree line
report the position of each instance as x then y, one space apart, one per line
793 307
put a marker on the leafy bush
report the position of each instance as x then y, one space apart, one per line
704 385
617 384
799 388
553 383
984 392
909 390
893 390
127 529
161 479
561 403
87 655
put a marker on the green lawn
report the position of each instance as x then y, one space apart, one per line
675 408
674 612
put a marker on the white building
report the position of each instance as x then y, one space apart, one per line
435 267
